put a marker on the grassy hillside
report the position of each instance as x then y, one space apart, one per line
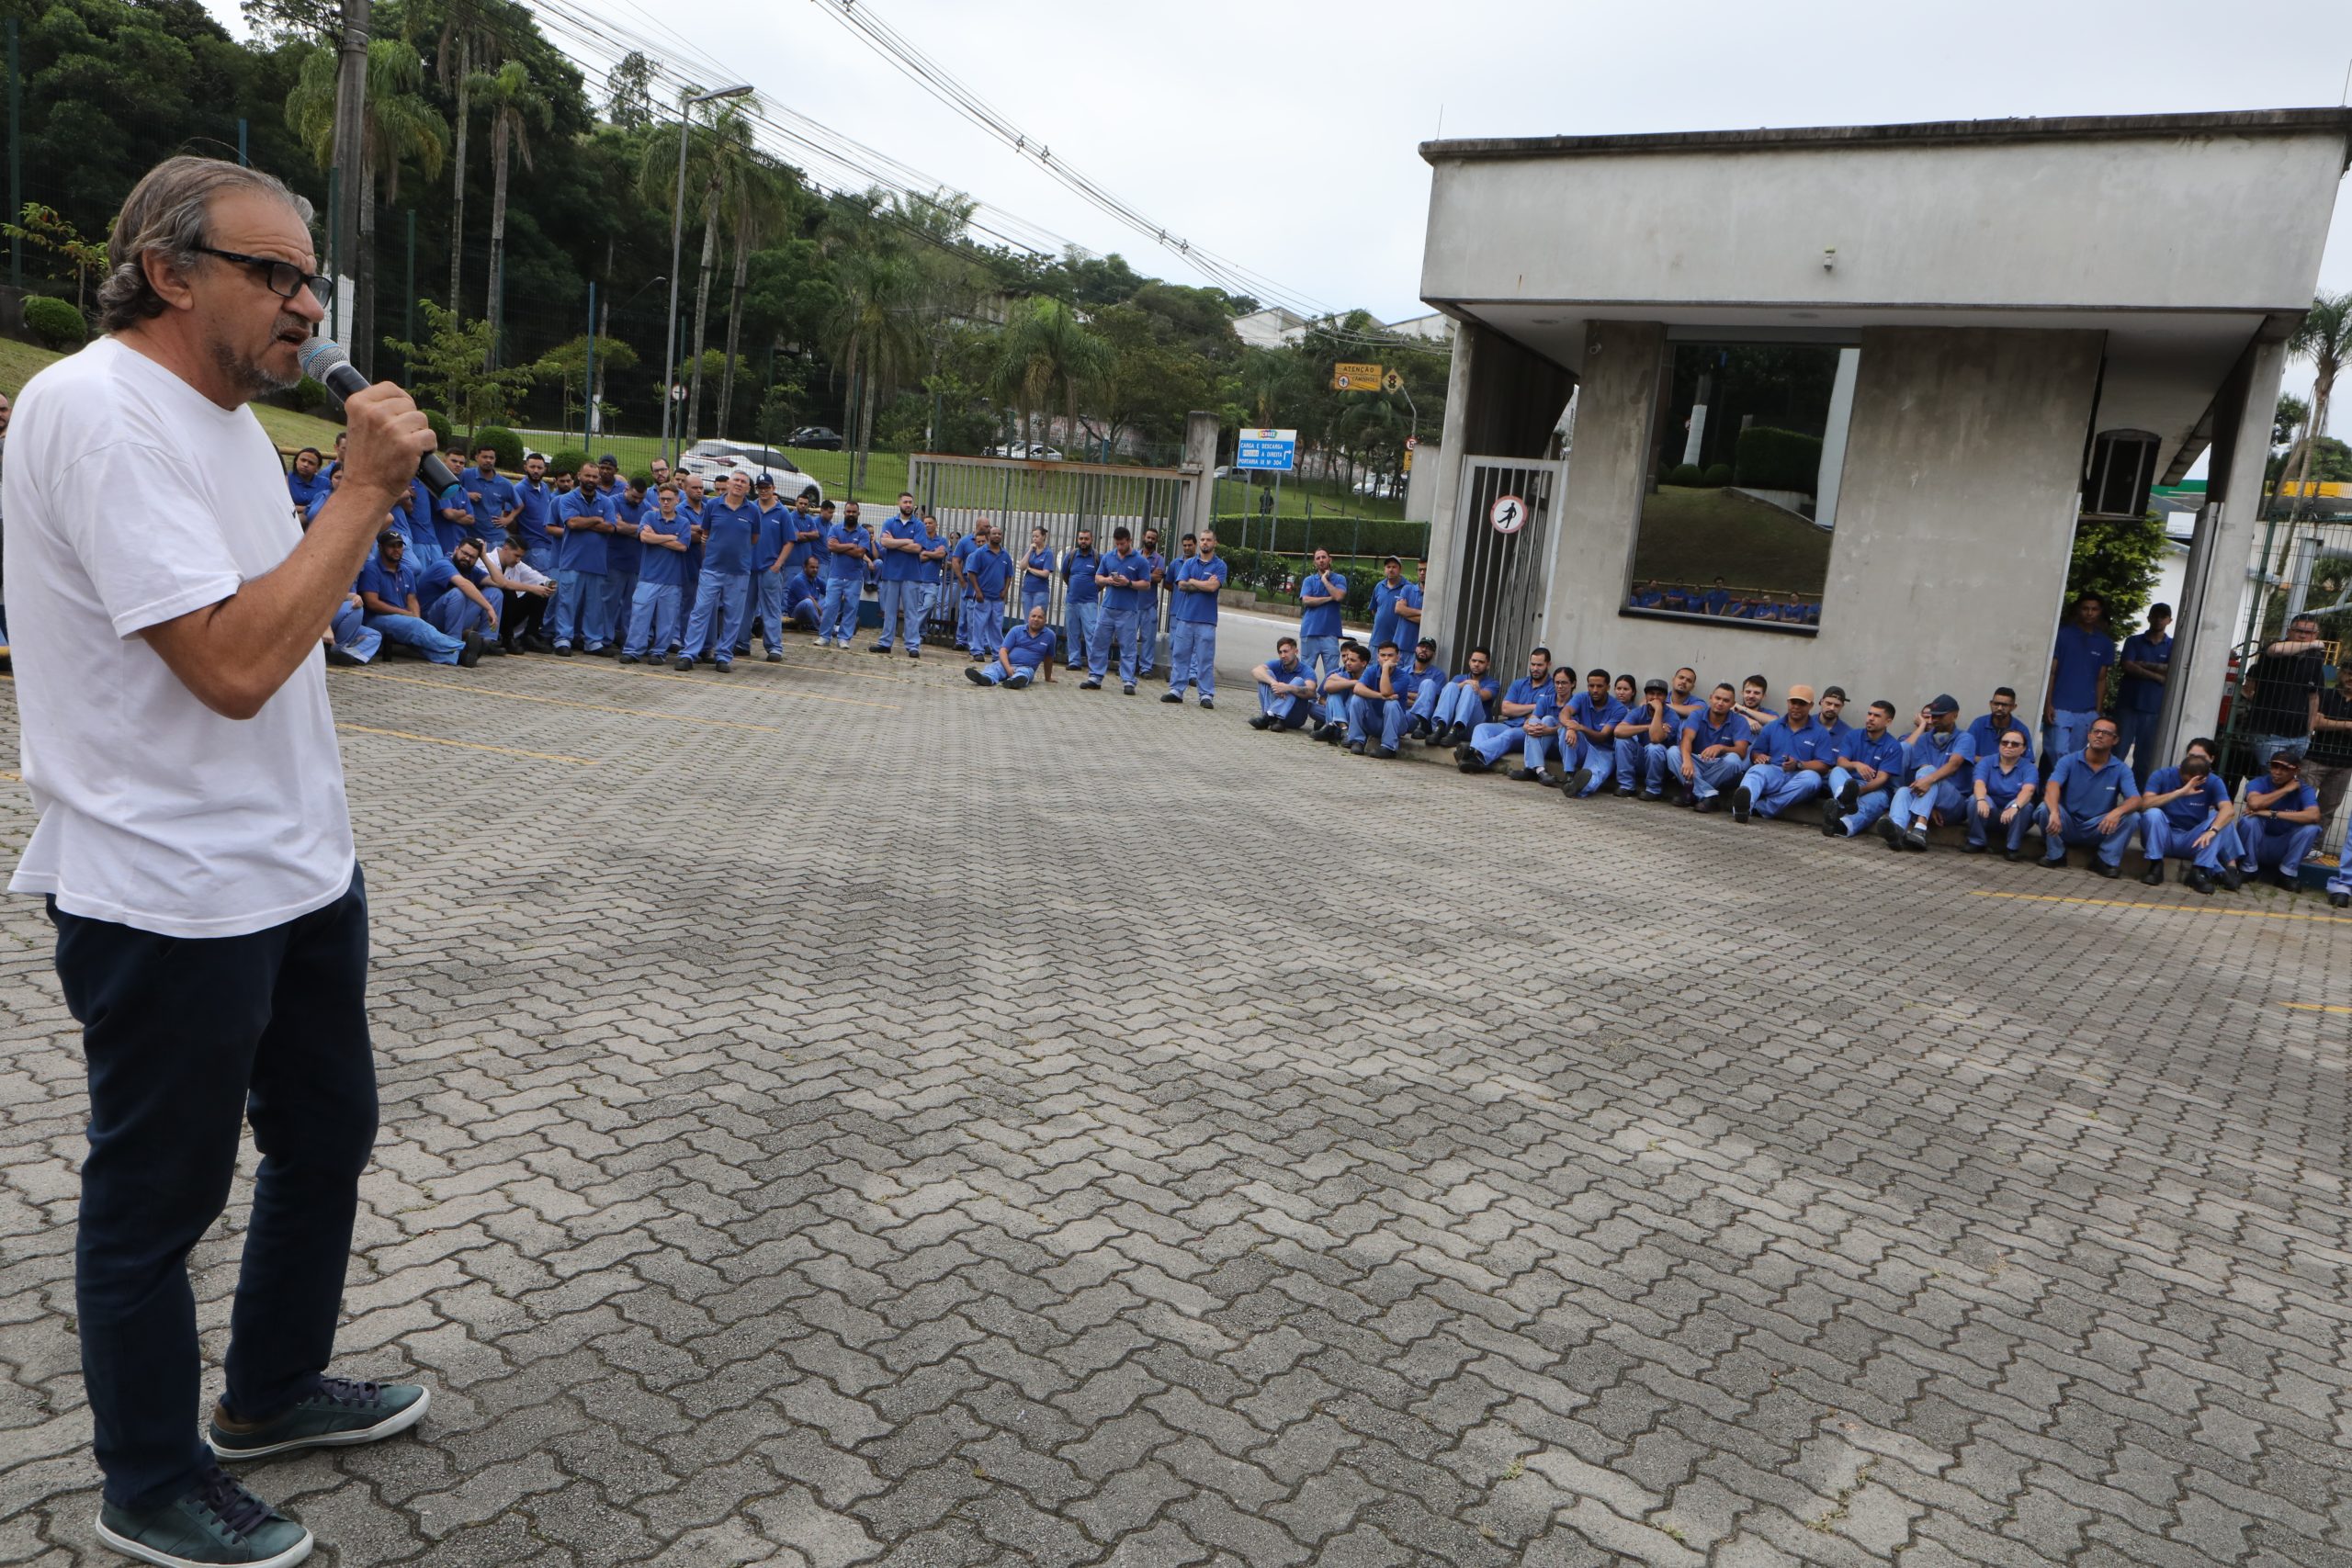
19 361
1695 535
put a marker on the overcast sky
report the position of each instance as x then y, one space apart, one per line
1281 133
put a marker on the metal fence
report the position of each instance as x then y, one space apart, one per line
2300 566
1499 579
1060 497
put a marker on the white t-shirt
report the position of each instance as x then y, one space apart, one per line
132 499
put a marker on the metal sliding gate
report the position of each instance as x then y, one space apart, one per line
1503 566
1061 498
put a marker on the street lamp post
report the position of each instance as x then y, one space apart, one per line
677 235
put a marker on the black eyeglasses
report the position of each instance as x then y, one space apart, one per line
282 278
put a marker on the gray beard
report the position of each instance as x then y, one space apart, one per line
247 376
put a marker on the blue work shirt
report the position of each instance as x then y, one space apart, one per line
1288 672
1129 565
1526 689
534 497
392 585
1885 753
660 565
2297 799
1197 607
1603 715
902 566
1810 744
1932 750
2087 794
1414 675
1036 561
962 553
1079 567
840 567
1837 732
1323 620
438 575
305 491
2139 693
1152 563
1985 740
2003 786
2190 809
1388 626
928 570
1486 686
802 589
452 534
1029 650
731 530
777 533
490 499
989 567
582 550
806 532
1703 731
2079 669
623 554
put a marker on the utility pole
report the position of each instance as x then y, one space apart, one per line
16 161
350 148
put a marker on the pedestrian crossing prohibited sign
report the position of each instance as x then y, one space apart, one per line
1509 514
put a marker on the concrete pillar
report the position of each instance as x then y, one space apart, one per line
1438 611
2214 596
1201 431
1833 442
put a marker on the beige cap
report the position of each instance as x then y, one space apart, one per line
1798 695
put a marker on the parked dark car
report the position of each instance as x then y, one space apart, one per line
815 438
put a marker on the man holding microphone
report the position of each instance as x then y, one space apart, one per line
195 848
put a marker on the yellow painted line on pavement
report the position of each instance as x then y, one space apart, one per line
2316 1006
498 695
2161 909
469 744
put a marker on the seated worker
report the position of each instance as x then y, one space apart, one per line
1332 692
2279 826
303 484
350 639
2002 787
1830 713
457 595
2186 811
1788 764
1683 699
1546 731
2092 799
1460 706
1285 690
1640 746
1936 759
1026 649
804 594
524 592
1752 693
1588 732
1866 769
1424 682
1376 709
387 590
2000 716
1711 752
1517 703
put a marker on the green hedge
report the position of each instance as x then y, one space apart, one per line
567 461
1300 537
1767 459
1717 476
442 434
55 323
509 445
1687 475
1264 572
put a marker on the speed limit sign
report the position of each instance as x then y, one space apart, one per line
1509 514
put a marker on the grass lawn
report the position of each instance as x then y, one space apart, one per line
19 361
1696 535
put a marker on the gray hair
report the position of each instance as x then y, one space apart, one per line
169 211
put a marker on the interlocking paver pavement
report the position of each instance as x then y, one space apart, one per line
877 1122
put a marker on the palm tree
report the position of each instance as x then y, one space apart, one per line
398 126
1048 350
717 156
469 40
759 206
873 334
514 107
2326 335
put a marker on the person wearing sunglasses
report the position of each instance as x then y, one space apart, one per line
194 845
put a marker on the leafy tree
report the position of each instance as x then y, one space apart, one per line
2326 335
718 153
514 107
2118 558
398 126
44 227
451 370
629 103
1049 356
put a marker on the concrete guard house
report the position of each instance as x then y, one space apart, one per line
2034 319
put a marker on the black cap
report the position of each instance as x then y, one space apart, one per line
391 537
1944 702
1655 685
608 457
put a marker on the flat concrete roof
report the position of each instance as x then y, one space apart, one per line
2064 128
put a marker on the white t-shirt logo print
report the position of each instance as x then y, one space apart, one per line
156 812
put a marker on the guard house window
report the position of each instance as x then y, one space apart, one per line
1747 449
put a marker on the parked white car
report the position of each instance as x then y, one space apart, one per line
713 461
1036 451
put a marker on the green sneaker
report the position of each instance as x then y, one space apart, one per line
340 1414
217 1523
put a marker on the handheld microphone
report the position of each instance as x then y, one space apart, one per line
326 362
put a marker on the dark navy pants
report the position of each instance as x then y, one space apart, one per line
185 1041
